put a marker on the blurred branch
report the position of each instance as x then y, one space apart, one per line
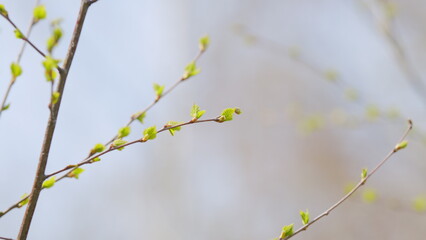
401 144
18 60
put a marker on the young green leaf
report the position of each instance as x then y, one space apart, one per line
53 40
149 133
96 159
287 231
16 70
369 195
158 90
50 63
55 97
401 145
196 113
364 174
190 70
18 34
23 202
123 132
175 129
228 114
419 203
5 107
117 143
99 147
3 11
140 116
75 173
204 43
48 183
305 217
39 13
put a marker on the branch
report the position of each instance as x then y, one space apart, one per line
363 180
6 238
40 173
18 60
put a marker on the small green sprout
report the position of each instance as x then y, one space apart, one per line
18 34
23 202
75 173
158 91
196 113
39 13
3 11
123 132
5 107
140 116
227 114
305 217
55 97
401 145
175 129
117 143
48 183
204 43
16 70
99 147
287 231
190 70
149 134
364 174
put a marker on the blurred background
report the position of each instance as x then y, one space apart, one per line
326 88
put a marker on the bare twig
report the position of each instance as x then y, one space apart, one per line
18 59
40 173
360 183
6 238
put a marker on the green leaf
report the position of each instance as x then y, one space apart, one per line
50 63
149 133
158 90
204 43
401 145
190 70
3 11
55 97
48 183
419 204
5 107
287 231
369 195
18 34
228 114
24 202
53 40
364 174
99 147
305 217
196 113
123 132
117 143
75 173
175 129
96 159
39 13
16 70
140 116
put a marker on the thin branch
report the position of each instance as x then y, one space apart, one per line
18 60
360 183
40 173
158 98
6 238
89 160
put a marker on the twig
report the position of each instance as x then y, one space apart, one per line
360 183
40 173
6 238
18 59
157 99
89 160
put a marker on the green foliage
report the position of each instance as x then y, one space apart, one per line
204 43
149 133
196 113
175 129
48 183
228 114
39 13
18 34
55 97
190 70
369 195
305 217
50 64
158 89
24 202
401 145
5 107
16 70
3 11
140 116
75 173
287 231
53 40
123 132
99 147
364 173
117 143
419 204
96 159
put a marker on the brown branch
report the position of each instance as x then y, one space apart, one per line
6 238
40 173
89 160
157 99
18 59
360 183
